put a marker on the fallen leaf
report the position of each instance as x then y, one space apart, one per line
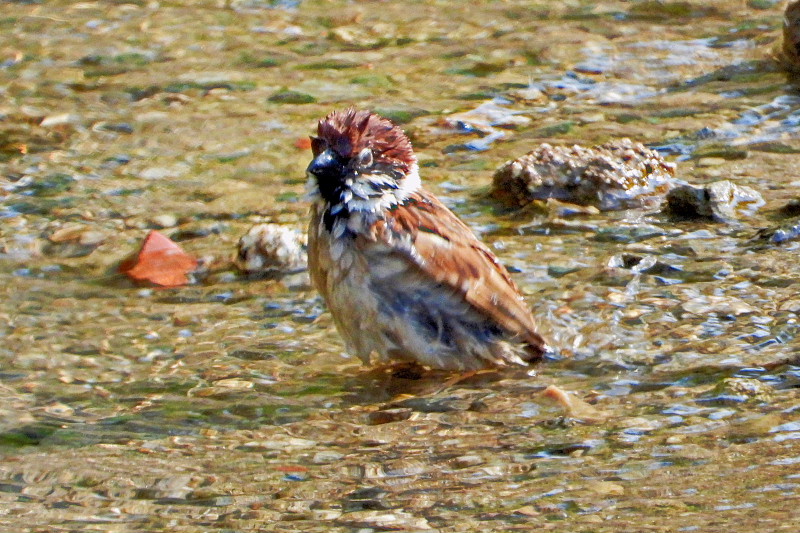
303 143
159 261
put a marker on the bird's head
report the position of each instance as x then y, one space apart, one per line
362 162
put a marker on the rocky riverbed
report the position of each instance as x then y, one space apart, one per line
228 404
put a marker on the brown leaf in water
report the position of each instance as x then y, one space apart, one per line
159 261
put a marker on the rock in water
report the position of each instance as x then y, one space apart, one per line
722 201
271 249
616 175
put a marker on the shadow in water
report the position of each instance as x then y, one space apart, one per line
398 384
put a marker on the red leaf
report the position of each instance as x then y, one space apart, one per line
159 261
303 143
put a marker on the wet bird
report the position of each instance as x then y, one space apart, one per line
405 280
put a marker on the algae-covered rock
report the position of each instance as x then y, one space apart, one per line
617 175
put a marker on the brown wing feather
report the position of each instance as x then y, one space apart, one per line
447 251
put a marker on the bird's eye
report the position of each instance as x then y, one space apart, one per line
364 158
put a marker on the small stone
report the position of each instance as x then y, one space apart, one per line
164 221
754 427
361 36
75 233
591 118
485 118
721 305
780 234
466 461
280 442
643 264
792 305
723 201
710 162
325 457
557 209
52 121
270 249
528 94
74 240
91 238
150 117
159 173
325 514
527 510
748 389
385 520
59 409
232 383
792 208
606 488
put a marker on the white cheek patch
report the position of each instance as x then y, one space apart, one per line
361 201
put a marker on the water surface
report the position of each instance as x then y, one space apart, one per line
229 405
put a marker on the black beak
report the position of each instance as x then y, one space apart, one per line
328 164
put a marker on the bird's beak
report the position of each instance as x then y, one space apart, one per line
327 165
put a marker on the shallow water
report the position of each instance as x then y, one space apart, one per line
228 405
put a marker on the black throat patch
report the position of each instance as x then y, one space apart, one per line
329 218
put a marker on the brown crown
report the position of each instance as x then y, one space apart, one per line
350 131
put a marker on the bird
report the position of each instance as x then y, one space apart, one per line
405 280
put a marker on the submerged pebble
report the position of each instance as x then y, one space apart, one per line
723 201
617 175
745 389
780 234
166 220
74 240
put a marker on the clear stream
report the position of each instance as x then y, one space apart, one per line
228 405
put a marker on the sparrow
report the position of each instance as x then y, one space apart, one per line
405 280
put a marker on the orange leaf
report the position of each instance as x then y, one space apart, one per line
303 143
159 261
